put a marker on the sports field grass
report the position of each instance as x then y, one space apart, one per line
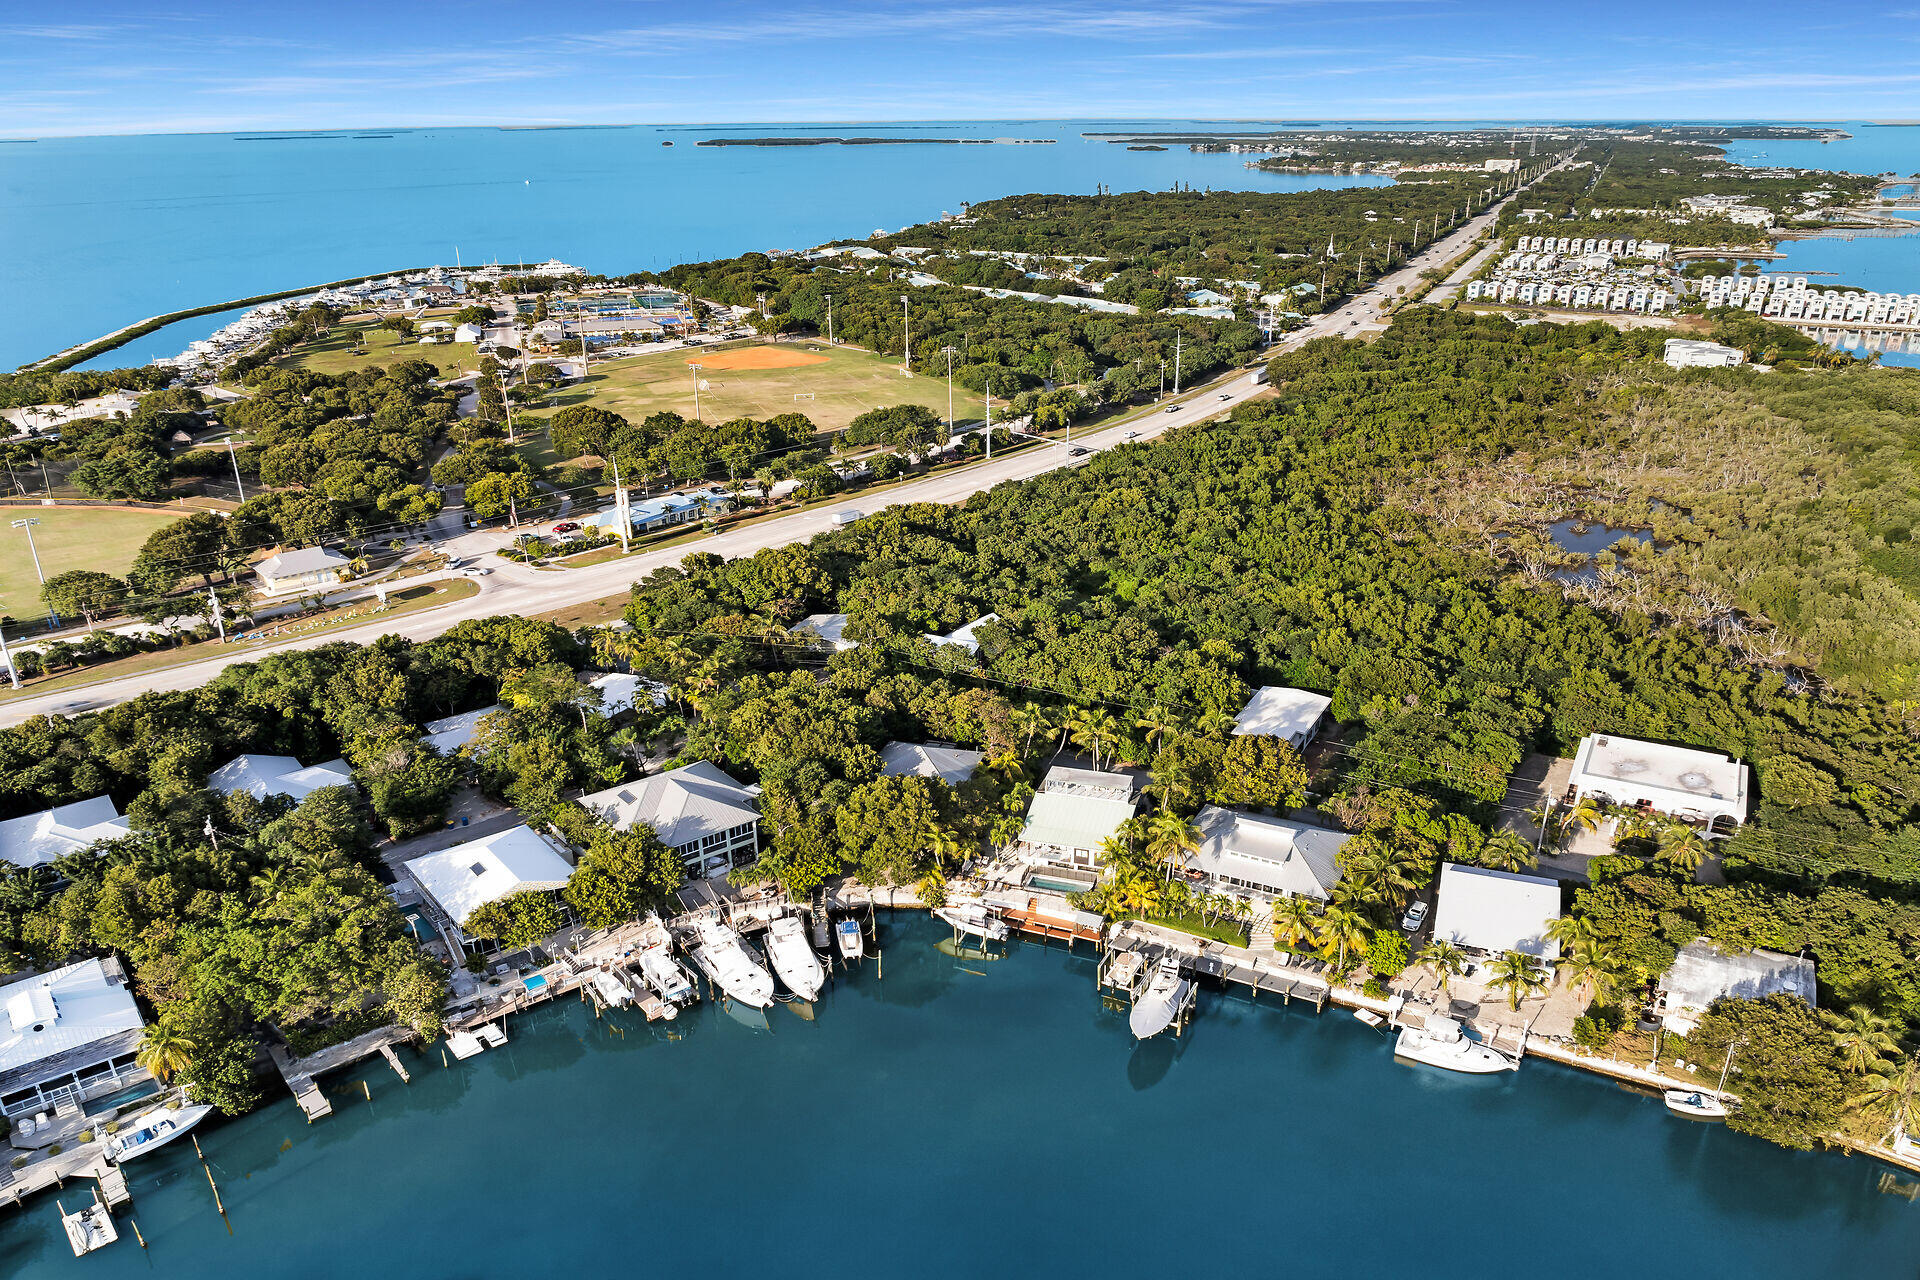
68 538
332 354
844 383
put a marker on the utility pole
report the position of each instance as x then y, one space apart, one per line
906 332
28 524
505 404
213 602
1176 362
989 419
235 460
1163 379
696 389
830 341
948 351
6 657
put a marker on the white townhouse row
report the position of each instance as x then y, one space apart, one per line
1647 299
1619 248
1790 298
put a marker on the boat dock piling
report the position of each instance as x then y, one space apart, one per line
393 1060
1231 966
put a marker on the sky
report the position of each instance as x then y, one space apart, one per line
97 68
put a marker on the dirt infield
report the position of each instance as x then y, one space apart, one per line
758 358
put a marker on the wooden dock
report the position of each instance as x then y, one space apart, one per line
1230 965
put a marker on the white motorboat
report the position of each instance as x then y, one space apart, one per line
664 976
973 918
1696 1104
1369 1017
1167 990
794 959
151 1129
853 944
611 990
724 958
1442 1043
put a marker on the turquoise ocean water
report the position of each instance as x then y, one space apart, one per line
979 1118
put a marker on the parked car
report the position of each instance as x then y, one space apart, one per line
1415 917
567 526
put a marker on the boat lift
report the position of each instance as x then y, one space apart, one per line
1125 972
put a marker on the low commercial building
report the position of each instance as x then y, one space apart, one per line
831 627
36 839
699 812
1703 973
263 776
1272 857
1073 813
67 1037
1691 353
459 881
1681 782
952 765
1493 912
1275 711
307 569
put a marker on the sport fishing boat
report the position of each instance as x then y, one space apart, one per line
723 957
89 1228
973 918
1167 990
152 1129
853 945
793 958
1696 1104
1442 1043
666 979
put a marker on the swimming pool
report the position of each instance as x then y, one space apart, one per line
1057 886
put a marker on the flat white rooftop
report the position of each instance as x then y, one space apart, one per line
468 876
1496 911
1682 779
54 1013
1276 711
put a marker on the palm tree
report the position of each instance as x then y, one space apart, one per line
1031 719
164 1050
1296 922
1890 1091
1682 848
1007 829
1215 724
1506 851
1007 763
1570 931
1863 1038
1342 929
941 842
1516 973
1585 814
1169 835
1081 728
1444 960
1592 966
1156 724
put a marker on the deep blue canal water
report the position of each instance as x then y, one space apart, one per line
969 1118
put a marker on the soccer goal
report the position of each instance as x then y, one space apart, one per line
798 396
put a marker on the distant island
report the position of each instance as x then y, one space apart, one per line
1147 147
861 142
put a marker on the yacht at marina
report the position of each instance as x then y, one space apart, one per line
793 958
1442 1043
1167 991
723 957
665 978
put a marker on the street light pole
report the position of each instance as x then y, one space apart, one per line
696 389
948 349
28 524
906 332
235 460
830 341
989 419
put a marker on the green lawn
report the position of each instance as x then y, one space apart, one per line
846 386
332 354
68 538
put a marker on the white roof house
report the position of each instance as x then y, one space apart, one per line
1702 973
468 333
264 776
620 692
831 627
952 765
450 733
1073 813
1275 711
696 810
66 1034
38 838
466 877
1682 781
301 570
964 636
1496 911
1692 353
1272 856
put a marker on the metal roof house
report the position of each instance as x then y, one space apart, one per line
265 776
461 880
620 692
1276 711
1701 786
35 839
67 1036
952 765
450 733
696 810
1241 853
301 570
1703 973
831 627
964 636
1072 814
1496 911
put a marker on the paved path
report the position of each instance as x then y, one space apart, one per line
519 590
